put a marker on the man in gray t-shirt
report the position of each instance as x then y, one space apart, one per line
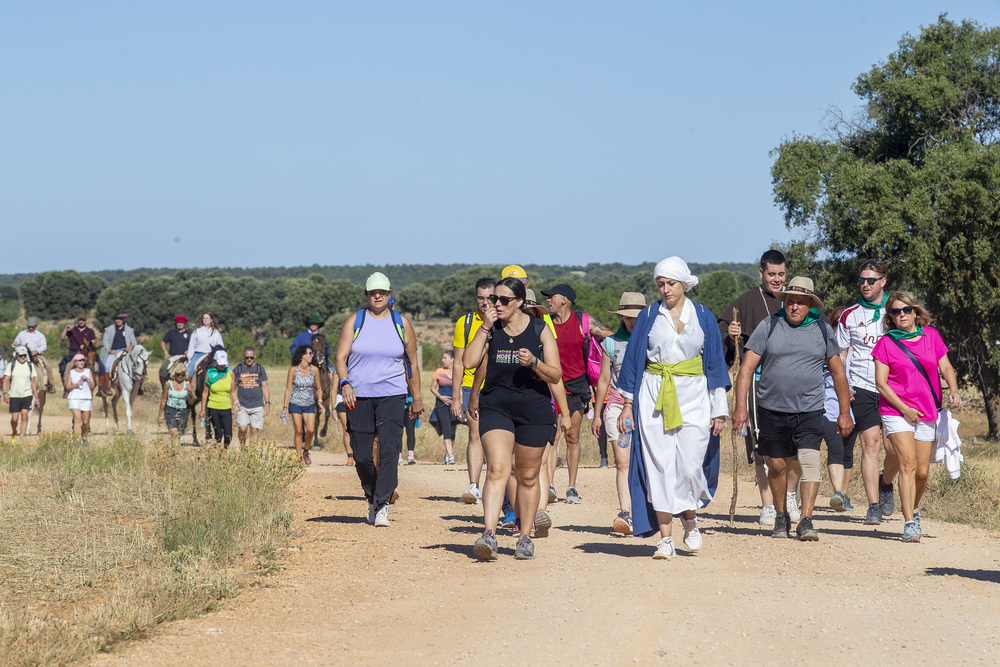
792 348
251 396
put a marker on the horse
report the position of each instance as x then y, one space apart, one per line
44 383
324 375
198 388
131 368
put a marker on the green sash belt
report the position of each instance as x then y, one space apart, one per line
666 402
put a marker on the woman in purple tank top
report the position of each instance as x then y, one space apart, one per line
377 359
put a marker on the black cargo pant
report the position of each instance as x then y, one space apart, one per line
382 416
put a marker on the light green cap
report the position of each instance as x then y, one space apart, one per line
377 280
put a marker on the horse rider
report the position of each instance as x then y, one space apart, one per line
118 337
306 339
79 336
34 340
174 343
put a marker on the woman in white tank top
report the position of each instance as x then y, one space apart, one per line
80 385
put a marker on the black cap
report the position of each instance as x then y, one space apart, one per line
563 289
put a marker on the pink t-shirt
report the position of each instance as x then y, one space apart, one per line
905 379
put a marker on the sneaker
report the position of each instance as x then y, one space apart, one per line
604 463
623 523
837 502
552 494
767 515
13 441
517 528
781 523
370 517
448 459
508 520
542 523
572 496
911 531
559 462
916 513
692 536
486 546
525 549
665 549
382 517
805 530
472 494
874 516
400 462
848 507
885 499
411 460
305 457
350 460
792 507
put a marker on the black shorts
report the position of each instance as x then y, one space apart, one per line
864 407
18 405
578 394
341 407
783 434
176 418
529 417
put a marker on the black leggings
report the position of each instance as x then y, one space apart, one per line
411 430
222 424
839 451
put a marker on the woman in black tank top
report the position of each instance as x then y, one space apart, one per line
515 413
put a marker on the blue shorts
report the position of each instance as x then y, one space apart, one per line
301 409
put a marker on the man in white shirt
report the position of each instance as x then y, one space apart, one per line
34 340
860 327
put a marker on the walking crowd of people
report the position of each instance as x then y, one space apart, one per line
522 376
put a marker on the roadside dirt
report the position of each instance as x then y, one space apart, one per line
414 594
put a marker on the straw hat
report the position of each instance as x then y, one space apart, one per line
629 304
802 286
530 303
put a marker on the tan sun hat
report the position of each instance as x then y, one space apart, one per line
530 302
629 304
802 286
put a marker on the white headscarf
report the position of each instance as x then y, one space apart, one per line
676 268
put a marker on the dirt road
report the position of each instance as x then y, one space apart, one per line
414 594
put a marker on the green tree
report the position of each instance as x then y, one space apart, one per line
10 303
717 290
57 295
915 182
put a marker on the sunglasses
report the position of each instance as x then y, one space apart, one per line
504 300
870 281
378 292
896 312
250 358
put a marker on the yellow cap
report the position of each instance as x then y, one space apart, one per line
513 271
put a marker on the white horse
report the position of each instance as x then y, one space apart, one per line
131 368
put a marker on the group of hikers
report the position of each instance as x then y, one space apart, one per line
529 373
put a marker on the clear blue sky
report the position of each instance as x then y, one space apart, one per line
264 134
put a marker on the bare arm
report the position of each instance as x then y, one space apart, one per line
233 399
410 345
549 370
266 391
343 352
598 331
288 387
602 390
457 380
743 381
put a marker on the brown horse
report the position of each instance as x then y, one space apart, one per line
44 381
321 347
194 396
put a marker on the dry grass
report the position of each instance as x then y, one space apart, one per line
99 544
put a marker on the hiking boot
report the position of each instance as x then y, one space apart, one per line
572 496
382 517
524 550
837 502
665 549
692 536
911 531
792 507
508 520
542 523
604 463
805 530
767 515
885 499
781 524
472 494
486 546
552 494
874 516
623 523
848 507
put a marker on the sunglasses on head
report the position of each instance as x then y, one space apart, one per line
895 312
870 281
504 300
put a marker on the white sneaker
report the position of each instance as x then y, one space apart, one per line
382 517
692 536
472 495
767 516
665 549
792 507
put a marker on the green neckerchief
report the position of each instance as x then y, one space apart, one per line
877 306
622 333
812 316
899 334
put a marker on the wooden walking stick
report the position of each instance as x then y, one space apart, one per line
735 371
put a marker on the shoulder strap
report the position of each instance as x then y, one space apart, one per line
552 327
585 330
359 319
469 316
923 371
397 320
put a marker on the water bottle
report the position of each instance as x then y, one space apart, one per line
284 418
625 439
202 422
